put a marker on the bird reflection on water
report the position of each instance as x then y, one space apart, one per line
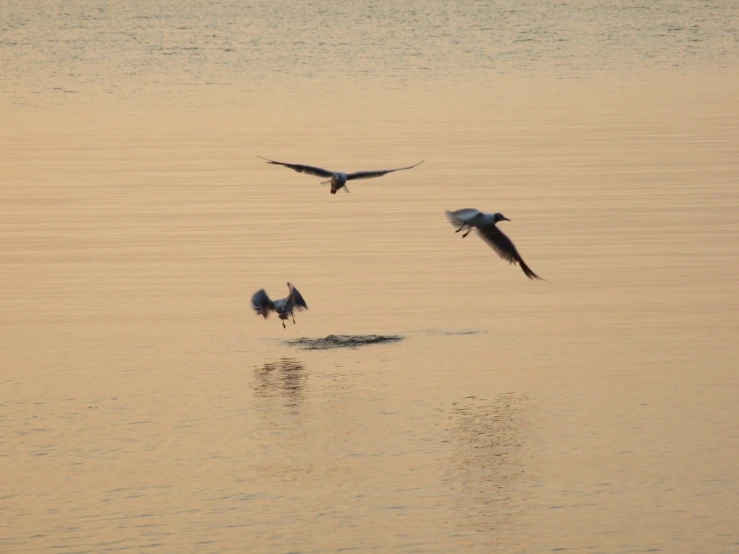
487 439
282 426
284 378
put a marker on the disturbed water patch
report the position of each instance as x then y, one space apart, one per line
343 341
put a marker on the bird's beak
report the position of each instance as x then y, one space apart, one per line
505 218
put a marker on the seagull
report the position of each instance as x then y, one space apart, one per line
490 233
338 179
284 307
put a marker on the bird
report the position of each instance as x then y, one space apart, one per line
284 307
489 232
338 179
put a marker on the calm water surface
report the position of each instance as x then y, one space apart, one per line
144 407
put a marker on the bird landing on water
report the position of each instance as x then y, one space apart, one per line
284 307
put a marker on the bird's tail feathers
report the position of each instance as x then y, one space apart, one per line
453 219
529 272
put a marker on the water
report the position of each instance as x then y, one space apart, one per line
144 406
141 52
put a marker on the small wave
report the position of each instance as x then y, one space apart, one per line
442 332
343 341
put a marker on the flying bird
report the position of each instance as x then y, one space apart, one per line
284 307
489 232
338 179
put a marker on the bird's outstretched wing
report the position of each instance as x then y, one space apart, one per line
379 173
262 303
463 216
295 298
309 169
505 248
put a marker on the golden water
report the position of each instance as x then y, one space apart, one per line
144 406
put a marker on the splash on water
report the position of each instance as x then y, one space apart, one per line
343 341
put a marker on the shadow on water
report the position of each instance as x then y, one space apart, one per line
487 438
284 378
343 341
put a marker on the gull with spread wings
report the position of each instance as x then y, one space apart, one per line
284 307
338 179
489 232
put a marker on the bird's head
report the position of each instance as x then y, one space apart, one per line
500 217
